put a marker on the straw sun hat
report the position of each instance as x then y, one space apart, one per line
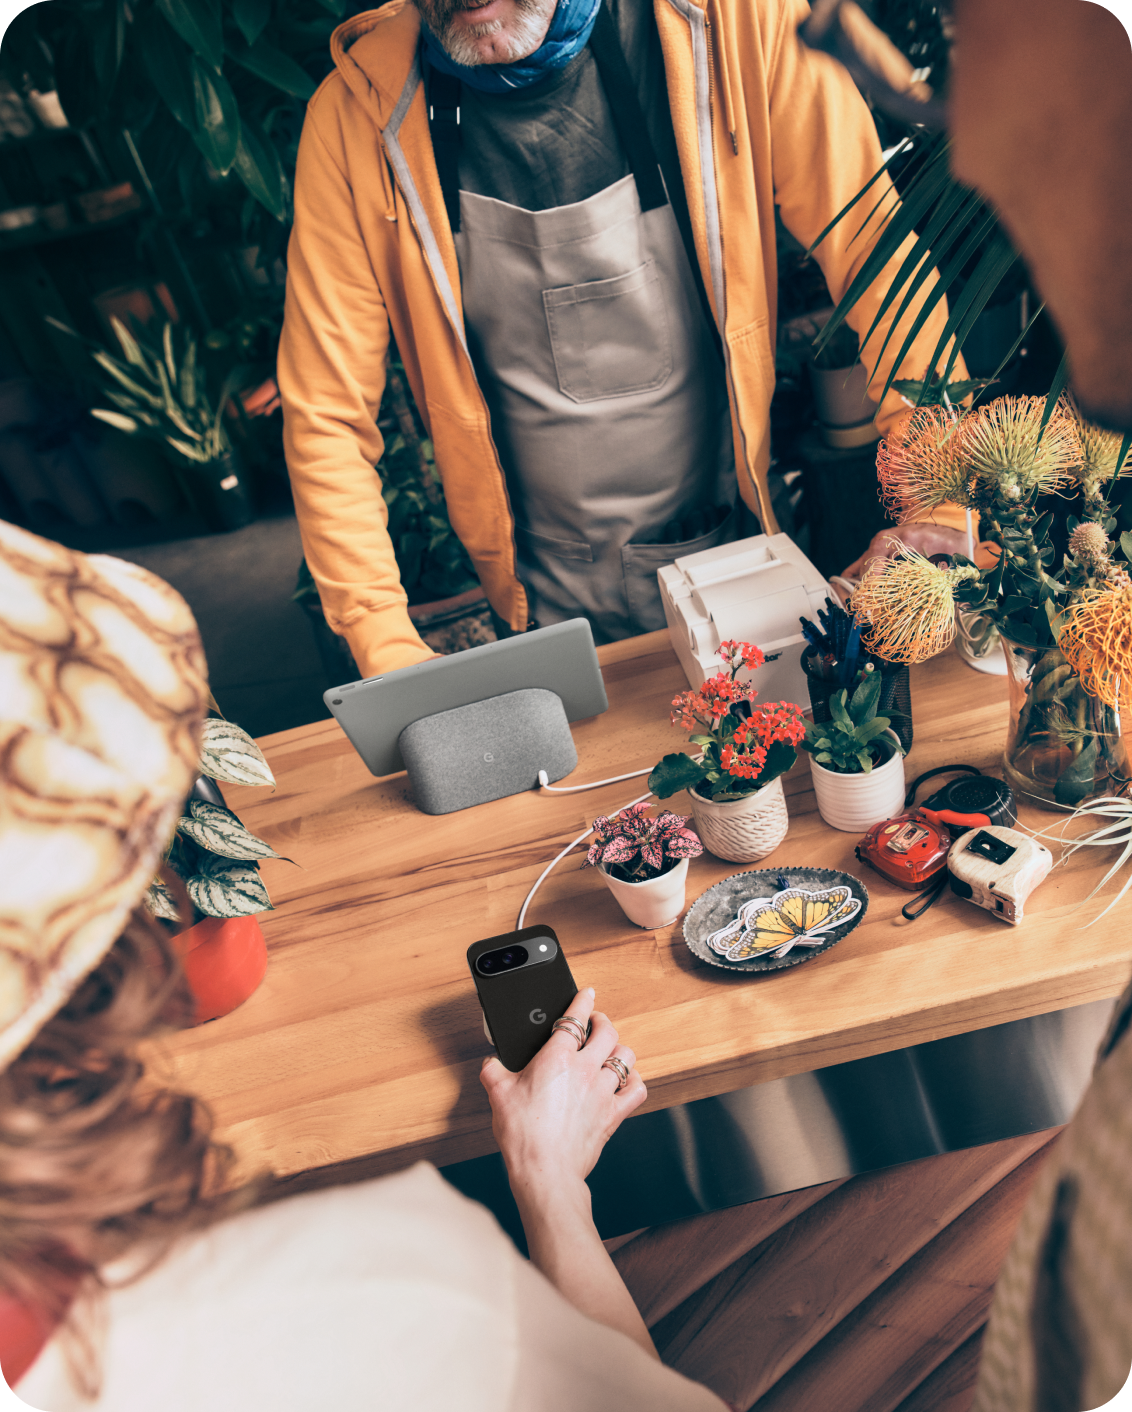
102 692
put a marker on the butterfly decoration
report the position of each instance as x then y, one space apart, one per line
772 926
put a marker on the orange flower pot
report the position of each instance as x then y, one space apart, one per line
225 959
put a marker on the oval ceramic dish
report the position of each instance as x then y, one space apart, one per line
716 907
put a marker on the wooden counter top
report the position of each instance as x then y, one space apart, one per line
364 1040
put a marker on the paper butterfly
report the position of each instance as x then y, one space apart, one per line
774 925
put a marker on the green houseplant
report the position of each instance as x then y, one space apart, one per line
161 394
212 852
857 761
222 947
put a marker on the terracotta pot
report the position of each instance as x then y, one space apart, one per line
656 902
742 830
224 959
854 803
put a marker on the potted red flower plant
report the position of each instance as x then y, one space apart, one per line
644 862
735 784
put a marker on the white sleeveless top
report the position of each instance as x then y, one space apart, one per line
395 1294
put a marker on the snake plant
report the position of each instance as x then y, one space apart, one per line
161 393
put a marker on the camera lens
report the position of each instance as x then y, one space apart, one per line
506 959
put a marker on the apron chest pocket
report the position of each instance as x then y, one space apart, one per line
610 338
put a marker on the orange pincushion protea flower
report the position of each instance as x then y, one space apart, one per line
1005 448
919 465
906 606
1096 640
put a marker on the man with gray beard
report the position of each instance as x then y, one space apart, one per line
565 213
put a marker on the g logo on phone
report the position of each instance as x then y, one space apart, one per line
538 1017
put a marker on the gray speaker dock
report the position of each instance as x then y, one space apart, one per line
488 750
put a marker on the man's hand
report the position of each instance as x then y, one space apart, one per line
928 539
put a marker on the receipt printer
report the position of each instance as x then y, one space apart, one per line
754 590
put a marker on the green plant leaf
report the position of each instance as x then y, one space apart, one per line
220 832
871 729
779 758
159 901
115 419
107 36
258 167
274 67
198 24
837 709
251 17
188 379
217 118
901 148
928 187
865 760
1075 784
1057 387
116 371
168 65
863 706
230 755
229 890
1126 544
674 773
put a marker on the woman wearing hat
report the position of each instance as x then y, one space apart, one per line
130 1276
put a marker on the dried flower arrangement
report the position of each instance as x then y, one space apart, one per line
1067 630
744 747
633 847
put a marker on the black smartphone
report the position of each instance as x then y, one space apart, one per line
524 985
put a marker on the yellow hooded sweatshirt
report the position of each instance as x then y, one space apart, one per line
759 120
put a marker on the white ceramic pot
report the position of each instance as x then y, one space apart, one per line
742 830
656 902
854 803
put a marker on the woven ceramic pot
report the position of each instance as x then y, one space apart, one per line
742 830
656 902
854 803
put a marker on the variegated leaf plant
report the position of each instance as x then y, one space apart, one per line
212 851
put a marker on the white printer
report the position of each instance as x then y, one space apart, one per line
754 590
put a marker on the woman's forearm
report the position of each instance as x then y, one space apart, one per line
565 1246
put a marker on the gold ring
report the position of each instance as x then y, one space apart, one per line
620 1068
573 1027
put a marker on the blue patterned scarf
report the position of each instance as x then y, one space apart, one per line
568 34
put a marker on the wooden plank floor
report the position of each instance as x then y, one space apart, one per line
868 1295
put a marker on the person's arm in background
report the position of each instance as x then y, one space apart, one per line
331 375
825 149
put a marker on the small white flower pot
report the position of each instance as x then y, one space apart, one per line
854 803
656 902
742 830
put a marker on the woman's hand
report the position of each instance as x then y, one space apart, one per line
552 1120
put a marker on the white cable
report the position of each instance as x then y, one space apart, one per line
581 788
554 863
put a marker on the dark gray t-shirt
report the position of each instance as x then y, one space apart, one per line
555 143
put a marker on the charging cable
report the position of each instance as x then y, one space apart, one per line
581 788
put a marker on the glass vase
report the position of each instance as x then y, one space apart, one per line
1063 746
977 641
